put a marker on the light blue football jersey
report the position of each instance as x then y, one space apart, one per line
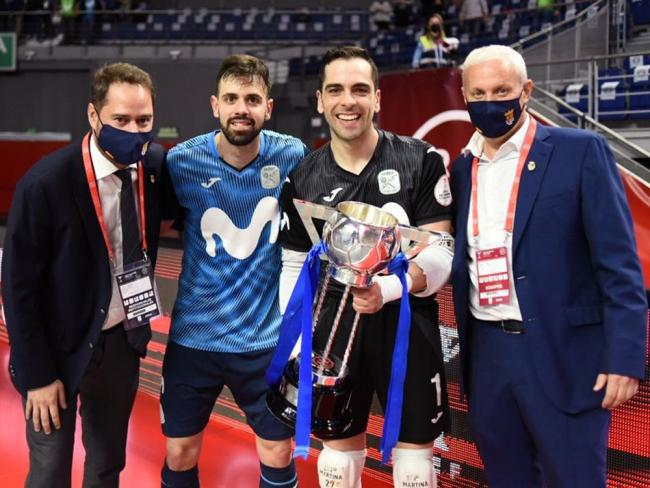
228 289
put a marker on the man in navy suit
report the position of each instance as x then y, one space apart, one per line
548 290
79 216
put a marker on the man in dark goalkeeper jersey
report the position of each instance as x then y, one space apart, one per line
407 178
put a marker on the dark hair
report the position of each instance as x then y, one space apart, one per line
348 52
118 73
244 66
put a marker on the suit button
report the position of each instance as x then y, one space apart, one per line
102 311
91 345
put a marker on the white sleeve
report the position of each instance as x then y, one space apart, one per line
292 262
435 262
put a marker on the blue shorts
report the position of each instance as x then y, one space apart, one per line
192 380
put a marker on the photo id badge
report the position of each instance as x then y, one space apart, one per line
493 278
139 295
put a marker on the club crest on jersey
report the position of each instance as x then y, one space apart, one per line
270 176
510 116
442 191
388 182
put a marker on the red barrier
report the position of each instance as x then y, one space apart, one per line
17 157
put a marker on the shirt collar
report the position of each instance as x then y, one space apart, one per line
476 142
101 164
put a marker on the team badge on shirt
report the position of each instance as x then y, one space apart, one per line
270 176
442 191
388 182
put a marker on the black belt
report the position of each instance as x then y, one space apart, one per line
507 326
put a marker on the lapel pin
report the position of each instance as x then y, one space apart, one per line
152 178
531 165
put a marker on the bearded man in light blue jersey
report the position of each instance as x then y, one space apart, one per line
226 317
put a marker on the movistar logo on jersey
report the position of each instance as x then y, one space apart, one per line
240 243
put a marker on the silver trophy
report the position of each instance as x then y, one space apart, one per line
360 242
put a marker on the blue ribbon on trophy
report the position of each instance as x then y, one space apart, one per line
359 240
297 320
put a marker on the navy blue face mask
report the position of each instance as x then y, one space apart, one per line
122 146
494 118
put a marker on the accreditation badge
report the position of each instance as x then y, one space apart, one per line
139 294
493 276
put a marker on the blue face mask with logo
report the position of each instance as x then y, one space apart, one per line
122 146
494 118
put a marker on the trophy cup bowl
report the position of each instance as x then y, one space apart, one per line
360 241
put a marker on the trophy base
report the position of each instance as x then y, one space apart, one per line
331 416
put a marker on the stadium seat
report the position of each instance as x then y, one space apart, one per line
640 93
576 95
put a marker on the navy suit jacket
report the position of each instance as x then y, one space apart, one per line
576 271
56 276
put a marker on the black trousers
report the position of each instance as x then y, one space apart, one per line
106 395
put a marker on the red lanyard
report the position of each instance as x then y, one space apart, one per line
94 193
523 155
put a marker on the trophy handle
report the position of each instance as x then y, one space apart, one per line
307 211
421 238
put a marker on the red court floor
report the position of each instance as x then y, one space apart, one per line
228 459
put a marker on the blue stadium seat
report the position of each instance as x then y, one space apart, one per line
640 93
612 99
576 95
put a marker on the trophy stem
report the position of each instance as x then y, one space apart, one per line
348 349
321 299
335 326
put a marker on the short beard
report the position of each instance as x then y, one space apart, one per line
239 139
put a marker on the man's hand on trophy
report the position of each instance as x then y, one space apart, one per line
384 289
369 300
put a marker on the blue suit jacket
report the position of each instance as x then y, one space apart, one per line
576 271
56 276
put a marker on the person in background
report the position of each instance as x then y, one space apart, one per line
402 12
472 16
381 12
434 49
548 291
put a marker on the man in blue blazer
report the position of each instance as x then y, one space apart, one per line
548 290
66 234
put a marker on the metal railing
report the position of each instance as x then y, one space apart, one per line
593 76
627 153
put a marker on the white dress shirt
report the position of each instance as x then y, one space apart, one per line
110 186
495 178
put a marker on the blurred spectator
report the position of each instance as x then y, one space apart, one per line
304 15
548 11
69 10
434 48
381 13
473 14
430 7
88 21
140 12
402 12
